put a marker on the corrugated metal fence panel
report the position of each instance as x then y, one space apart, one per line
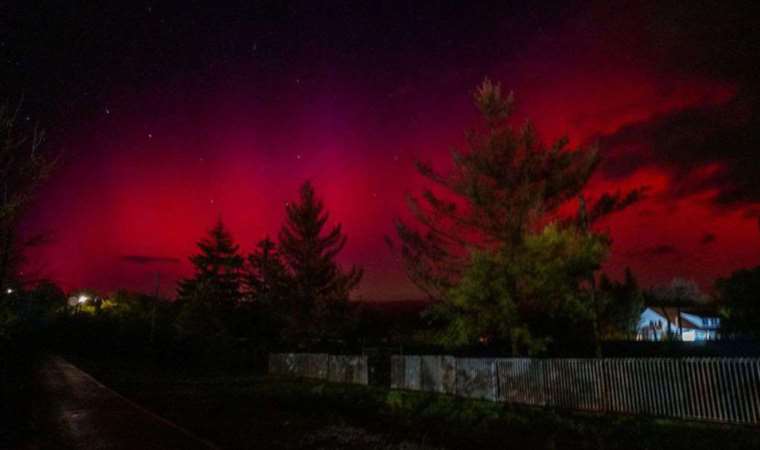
521 380
711 389
438 374
449 375
316 365
585 381
724 390
341 369
431 374
476 378
412 369
336 370
347 369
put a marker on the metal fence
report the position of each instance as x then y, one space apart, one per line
335 368
712 389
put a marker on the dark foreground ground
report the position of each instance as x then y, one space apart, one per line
240 410
80 412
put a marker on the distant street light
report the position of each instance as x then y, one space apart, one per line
9 291
83 299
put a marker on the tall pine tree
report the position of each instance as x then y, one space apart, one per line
218 269
320 287
504 186
484 248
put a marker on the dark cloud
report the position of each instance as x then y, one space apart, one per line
147 259
708 238
706 148
609 203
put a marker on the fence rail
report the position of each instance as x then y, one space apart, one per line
711 389
335 368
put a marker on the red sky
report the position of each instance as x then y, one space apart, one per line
151 164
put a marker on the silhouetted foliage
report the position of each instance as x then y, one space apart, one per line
200 316
26 313
320 288
267 301
739 297
620 307
547 304
266 277
23 167
218 269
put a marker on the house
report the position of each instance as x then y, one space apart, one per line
694 324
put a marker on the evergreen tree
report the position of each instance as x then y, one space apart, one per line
621 305
503 187
267 295
740 308
218 269
320 287
497 200
266 277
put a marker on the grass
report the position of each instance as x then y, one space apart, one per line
244 410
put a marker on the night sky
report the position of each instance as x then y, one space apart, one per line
171 115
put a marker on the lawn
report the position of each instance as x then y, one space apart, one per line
246 410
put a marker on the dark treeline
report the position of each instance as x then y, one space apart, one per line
286 294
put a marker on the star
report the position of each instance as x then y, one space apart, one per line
150 135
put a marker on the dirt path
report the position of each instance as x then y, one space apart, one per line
84 414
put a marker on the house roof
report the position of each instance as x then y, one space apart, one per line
700 312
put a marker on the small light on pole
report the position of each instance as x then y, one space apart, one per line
83 299
9 291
